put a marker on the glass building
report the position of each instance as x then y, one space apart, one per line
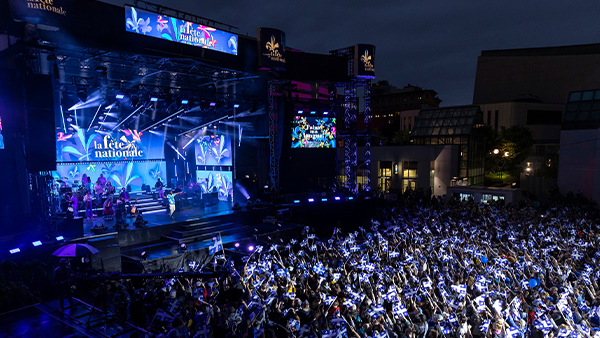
459 125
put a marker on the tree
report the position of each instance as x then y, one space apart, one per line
518 142
401 137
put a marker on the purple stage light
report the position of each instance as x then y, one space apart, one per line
212 104
325 113
237 245
250 248
311 200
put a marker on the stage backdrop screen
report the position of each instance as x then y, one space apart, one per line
166 28
213 150
124 145
216 181
313 132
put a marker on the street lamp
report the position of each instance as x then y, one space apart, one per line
506 154
496 151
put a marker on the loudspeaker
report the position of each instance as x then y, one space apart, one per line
39 104
70 227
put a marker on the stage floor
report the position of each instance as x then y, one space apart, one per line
161 217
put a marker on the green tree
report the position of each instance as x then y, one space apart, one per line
518 142
401 137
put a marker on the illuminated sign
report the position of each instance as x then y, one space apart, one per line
47 12
83 146
272 48
313 132
364 63
166 28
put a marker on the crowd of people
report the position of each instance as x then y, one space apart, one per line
457 270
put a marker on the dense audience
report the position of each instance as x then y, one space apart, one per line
436 270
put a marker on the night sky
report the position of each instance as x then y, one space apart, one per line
432 44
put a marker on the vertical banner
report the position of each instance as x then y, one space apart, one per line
364 61
271 48
46 12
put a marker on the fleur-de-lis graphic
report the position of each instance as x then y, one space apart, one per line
272 45
366 58
62 137
92 167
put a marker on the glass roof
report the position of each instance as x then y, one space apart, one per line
447 121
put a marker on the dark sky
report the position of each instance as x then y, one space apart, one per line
432 44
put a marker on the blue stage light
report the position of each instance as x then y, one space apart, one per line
250 248
212 104
300 111
311 200
14 251
120 96
60 238
325 113
184 101
351 198
337 198
296 201
323 200
37 243
236 105
154 99
313 112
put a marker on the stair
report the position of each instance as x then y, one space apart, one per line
205 230
144 203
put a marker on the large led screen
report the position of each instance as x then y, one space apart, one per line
166 28
216 181
213 150
120 175
84 146
313 132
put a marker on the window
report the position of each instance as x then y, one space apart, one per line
487 198
410 169
544 117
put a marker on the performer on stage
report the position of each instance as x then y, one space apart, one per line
109 190
89 208
62 277
159 189
98 191
102 180
171 198
74 205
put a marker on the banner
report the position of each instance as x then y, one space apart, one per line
272 49
125 145
364 61
46 12
163 27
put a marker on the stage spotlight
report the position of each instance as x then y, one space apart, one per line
337 198
212 104
237 245
37 243
350 198
14 251
144 255
184 101
154 99
120 96
300 111
82 94
183 247
311 200
325 113
323 200
60 238
236 105
313 112
250 248
296 201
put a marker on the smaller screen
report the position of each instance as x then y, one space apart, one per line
313 132
1 135
216 181
213 150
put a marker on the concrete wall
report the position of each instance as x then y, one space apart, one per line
578 166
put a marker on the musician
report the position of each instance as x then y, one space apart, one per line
171 198
87 184
159 189
88 199
62 277
109 190
74 205
102 180
108 209
98 191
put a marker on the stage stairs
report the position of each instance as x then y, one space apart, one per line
145 203
202 230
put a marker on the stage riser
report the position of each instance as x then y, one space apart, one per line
201 230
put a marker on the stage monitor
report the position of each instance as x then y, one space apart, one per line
213 150
216 181
163 27
313 132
